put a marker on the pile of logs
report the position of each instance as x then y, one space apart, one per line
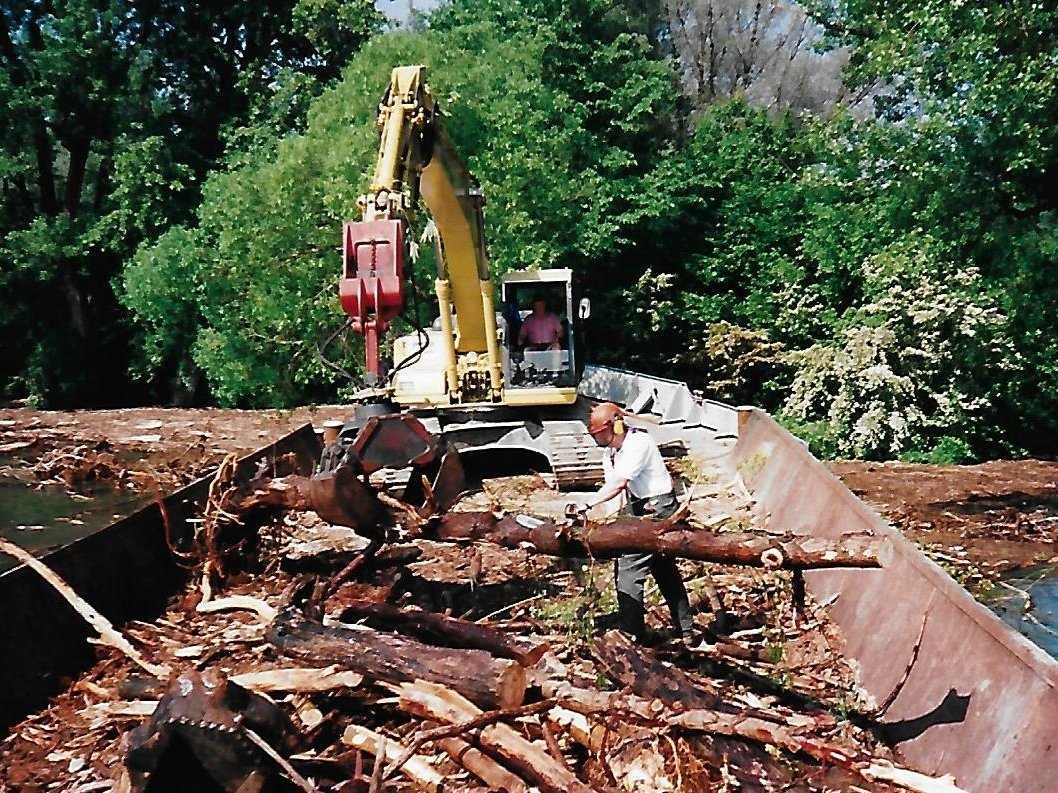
502 709
359 694
325 683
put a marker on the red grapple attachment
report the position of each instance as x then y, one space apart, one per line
400 440
342 498
437 479
394 441
372 284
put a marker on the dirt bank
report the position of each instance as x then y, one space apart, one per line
172 445
995 516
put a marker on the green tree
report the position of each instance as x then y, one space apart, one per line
977 89
112 113
920 361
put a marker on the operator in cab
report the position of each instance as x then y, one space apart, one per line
632 465
541 330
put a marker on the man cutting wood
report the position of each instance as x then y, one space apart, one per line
632 465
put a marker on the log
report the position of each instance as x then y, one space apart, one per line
444 630
772 732
487 681
591 736
642 535
479 764
416 768
650 678
431 701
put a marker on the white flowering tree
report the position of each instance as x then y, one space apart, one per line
915 368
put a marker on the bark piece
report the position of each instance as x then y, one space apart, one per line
911 780
590 736
264 612
388 750
428 700
640 535
441 629
487 681
301 681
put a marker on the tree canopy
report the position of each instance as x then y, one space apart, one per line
113 113
838 212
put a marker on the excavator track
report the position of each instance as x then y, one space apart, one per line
561 448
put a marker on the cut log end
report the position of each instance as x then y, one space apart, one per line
510 689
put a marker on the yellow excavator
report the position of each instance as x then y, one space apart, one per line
474 377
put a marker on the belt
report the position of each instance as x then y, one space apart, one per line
655 506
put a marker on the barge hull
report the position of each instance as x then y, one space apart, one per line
979 701
124 570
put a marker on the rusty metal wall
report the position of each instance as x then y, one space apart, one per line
981 701
124 570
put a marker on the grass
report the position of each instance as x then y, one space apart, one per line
574 614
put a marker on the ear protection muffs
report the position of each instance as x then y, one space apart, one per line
618 427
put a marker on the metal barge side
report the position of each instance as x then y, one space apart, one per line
125 570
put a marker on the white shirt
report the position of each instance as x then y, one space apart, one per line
639 461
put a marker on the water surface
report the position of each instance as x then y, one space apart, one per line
1027 601
51 517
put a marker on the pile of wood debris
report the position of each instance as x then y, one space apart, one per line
315 666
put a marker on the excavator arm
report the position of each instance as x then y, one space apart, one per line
417 166
417 161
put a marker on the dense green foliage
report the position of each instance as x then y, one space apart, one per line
112 113
882 279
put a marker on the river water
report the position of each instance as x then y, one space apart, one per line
41 520
1027 601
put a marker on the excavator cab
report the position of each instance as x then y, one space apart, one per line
537 330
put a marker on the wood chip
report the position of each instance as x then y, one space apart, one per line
300 680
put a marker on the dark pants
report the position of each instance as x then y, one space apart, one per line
630 574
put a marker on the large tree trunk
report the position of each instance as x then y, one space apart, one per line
75 301
769 730
75 174
487 681
641 535
342 499
444 630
